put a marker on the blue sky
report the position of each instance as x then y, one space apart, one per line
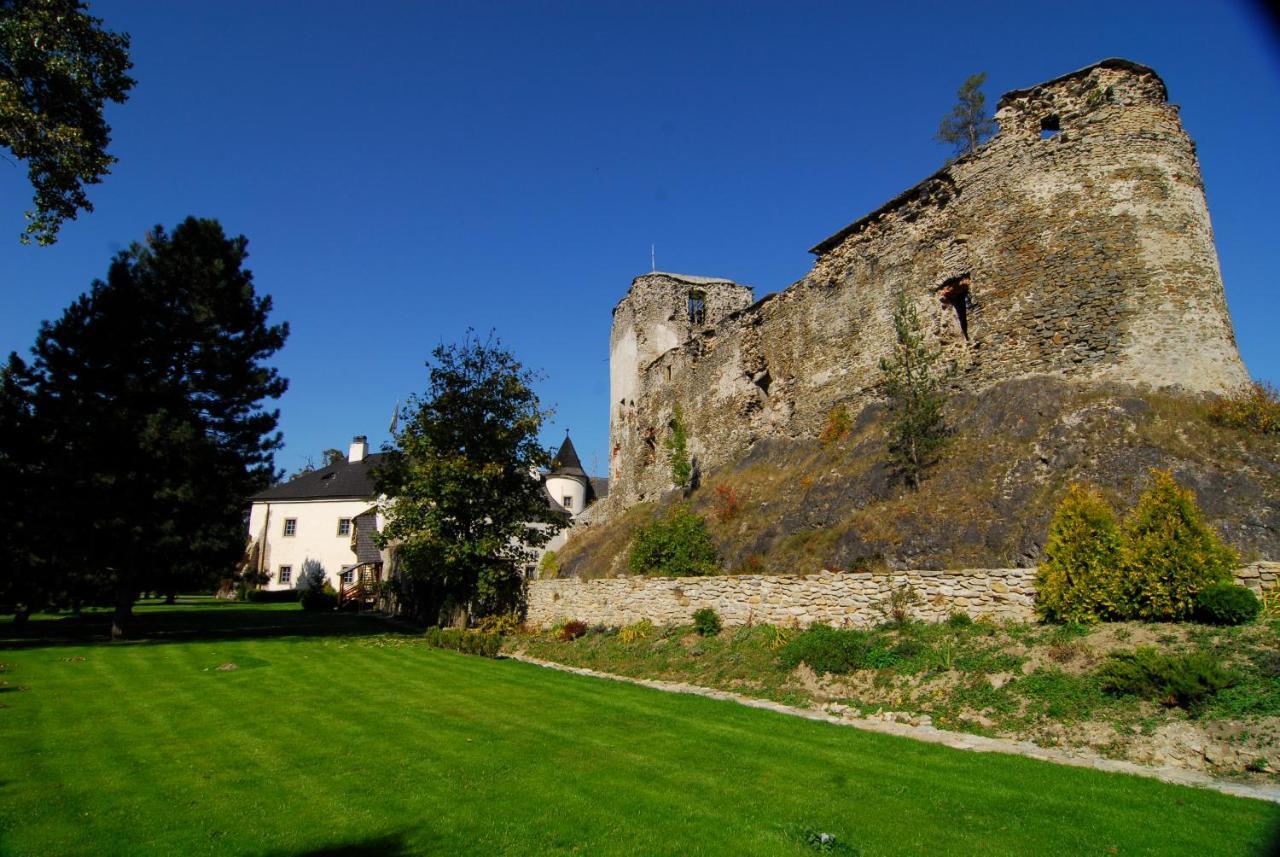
404 171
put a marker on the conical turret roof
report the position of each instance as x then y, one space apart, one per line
566 462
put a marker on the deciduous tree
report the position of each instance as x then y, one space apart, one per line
466 509
58 69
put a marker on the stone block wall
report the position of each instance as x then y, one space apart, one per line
839 599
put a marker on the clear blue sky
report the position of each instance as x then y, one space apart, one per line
406 170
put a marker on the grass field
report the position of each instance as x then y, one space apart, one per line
336 735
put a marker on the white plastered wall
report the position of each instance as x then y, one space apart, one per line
316 536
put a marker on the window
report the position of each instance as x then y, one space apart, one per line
348 577
697 307
290 526
1049 127
286 574
344 526
568 501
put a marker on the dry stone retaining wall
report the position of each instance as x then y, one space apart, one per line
842 599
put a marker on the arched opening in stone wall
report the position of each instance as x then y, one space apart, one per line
955 294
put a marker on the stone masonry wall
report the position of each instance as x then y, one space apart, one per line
840 599
1076 243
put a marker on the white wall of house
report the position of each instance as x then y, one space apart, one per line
315 536
561 488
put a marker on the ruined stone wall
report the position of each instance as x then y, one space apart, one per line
848 599
1076 243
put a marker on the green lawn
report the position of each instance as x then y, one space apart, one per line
335 737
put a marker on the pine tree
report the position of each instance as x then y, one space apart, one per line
968 125
913 387
147 396
678 450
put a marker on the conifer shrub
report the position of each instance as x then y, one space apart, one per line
707 622
1079 578
1169 554
1186 681
1227 604
319 599
677 545
828 650
1254 407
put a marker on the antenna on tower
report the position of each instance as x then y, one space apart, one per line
653 259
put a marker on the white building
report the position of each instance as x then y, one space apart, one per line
329 516
326 516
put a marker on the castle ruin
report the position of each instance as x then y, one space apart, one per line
1076 243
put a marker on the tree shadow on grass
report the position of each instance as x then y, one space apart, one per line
194 621
391 845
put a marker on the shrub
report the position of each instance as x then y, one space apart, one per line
319 599
707 622
678 450
1169 554
272 596
727 505
838 426
959 619
677 545
896 606
572 630
827 650
1227 604
1182 680
1254 407
502 624
1079 579
636 631
549 565
463 640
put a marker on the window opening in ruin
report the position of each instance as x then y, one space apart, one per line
668 373
955 294
697 307
650 445
1049 126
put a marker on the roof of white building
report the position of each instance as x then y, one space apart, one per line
342 480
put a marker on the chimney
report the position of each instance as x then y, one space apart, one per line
359 446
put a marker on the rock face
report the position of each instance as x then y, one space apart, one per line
1076 244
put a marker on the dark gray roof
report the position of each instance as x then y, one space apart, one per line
566 462
600 487
340 480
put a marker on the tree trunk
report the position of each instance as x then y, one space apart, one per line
123 616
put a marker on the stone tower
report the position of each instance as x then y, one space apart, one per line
658 312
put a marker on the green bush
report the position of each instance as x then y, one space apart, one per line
1169 554
1079 578
959 619
1227 604
272 596
707 622
1182 680
317 600
830 650
1254 407
463 640
677 545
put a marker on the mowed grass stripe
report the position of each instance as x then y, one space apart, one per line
333 741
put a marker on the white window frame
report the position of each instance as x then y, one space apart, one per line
344 531
290 528
348 576
286 574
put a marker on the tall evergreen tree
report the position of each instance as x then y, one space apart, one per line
467 509
913 385
147 396
968 125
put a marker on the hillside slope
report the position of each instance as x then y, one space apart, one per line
987 503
